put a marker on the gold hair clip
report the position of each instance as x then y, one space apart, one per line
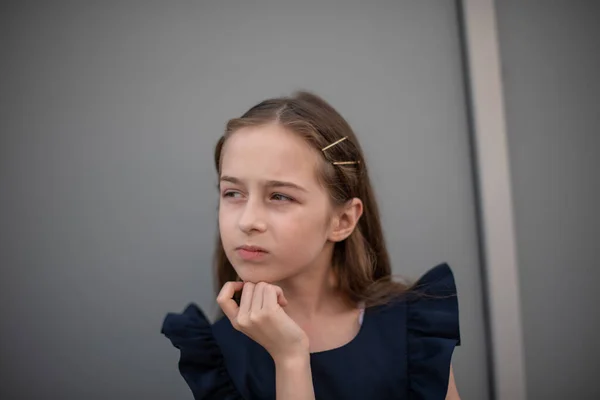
334 143
345 162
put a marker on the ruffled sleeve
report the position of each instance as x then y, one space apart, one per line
201 362
433 332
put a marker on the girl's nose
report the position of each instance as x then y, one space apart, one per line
252 218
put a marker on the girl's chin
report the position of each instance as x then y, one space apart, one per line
254 276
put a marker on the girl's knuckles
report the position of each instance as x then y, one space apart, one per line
243 322
257 317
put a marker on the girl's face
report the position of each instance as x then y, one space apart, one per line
274 215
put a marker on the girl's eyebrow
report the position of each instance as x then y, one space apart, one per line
285 185
271 183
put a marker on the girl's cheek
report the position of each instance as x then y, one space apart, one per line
227 209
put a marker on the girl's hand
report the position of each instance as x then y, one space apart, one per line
261 317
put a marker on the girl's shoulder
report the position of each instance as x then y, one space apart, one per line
420 330
433 331
428 309
201 362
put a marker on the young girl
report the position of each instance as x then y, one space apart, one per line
304 277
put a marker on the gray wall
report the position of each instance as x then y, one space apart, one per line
109 113
551 62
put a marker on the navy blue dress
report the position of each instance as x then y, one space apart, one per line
402 351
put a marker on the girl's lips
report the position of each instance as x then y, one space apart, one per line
252 248
251 253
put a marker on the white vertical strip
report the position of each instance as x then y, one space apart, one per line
493 172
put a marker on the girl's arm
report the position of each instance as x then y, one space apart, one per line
293 378
261 317
452 391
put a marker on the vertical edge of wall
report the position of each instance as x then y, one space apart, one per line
486 109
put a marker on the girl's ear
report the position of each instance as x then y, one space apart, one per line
345 219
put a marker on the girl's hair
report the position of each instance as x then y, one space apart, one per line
361 262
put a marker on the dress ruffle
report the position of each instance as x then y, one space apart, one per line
433 332
201 362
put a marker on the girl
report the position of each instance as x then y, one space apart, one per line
304 277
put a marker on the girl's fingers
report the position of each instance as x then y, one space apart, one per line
225 299
246 300
257 300
281 297
273 296
270 298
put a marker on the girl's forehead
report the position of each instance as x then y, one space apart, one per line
269 152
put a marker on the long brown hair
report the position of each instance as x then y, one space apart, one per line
361 262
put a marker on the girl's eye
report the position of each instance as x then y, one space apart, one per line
281 197
233 195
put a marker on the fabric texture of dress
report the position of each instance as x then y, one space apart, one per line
403 350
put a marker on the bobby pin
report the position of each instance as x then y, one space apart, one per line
334 143
345 162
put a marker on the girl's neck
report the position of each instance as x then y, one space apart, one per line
314 293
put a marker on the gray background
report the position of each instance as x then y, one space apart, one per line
551 57
108 117
110 114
